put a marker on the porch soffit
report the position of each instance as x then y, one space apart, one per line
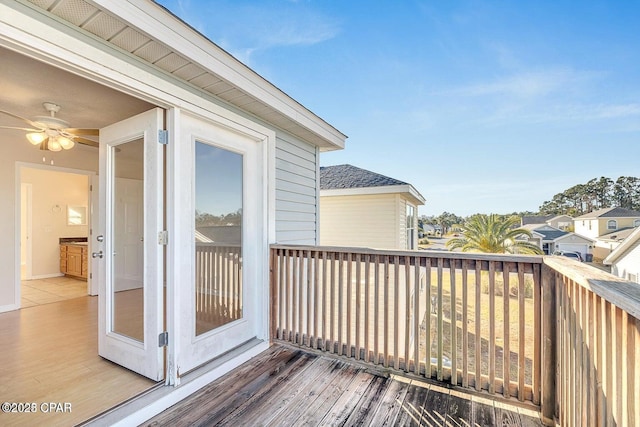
241 94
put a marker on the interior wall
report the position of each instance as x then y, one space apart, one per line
14 148
52 193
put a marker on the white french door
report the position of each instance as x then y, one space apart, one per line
131 290
223 239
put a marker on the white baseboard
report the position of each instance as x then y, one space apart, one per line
9 307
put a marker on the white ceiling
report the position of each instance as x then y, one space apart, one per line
25 84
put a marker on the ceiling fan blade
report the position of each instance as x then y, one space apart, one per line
85 141
38 127
19 128
85 132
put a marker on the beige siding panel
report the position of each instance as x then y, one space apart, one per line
359 221
296 191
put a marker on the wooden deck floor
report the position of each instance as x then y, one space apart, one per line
285 386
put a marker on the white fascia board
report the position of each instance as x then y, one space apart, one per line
37 34
406 190
162 26
622 247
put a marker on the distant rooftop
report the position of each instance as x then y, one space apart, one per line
611 213
353 180
347 176
549 233
536 219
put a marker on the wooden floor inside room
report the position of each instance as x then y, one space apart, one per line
285 386
49 354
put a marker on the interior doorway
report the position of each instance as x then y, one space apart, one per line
55 208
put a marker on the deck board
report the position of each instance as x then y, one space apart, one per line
412 408
285 386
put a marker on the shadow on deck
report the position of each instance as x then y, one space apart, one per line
287 386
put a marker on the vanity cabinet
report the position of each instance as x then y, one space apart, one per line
74 260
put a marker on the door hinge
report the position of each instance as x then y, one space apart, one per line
163 238
163 339
163 137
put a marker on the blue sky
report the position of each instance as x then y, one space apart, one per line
484 106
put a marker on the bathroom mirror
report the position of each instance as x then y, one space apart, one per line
76 215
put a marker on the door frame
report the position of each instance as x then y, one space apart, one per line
179 250
19 165
26 197
144 357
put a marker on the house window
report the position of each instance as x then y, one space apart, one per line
411 216
612 224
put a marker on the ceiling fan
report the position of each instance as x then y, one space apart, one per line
52 133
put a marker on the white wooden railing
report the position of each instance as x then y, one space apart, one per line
557 340
218 284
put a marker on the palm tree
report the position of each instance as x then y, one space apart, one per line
493 234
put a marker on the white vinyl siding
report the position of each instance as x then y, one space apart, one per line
296 191
628 265
360 221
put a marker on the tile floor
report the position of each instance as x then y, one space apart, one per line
54 289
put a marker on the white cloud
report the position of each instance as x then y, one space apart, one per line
531 84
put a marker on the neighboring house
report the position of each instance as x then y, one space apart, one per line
605 221
365 209
605 244
551 239
184 128
625 259
431 229
561 222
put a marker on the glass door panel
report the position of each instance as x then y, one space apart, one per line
218 237
127 237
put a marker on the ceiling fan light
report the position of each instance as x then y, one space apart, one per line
54 145
65 142
36 138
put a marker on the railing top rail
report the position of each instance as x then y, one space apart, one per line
533 259
623 294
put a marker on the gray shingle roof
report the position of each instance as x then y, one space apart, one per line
611 213
551 234
536 219
347 176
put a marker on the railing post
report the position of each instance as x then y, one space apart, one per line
273 294
548 314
